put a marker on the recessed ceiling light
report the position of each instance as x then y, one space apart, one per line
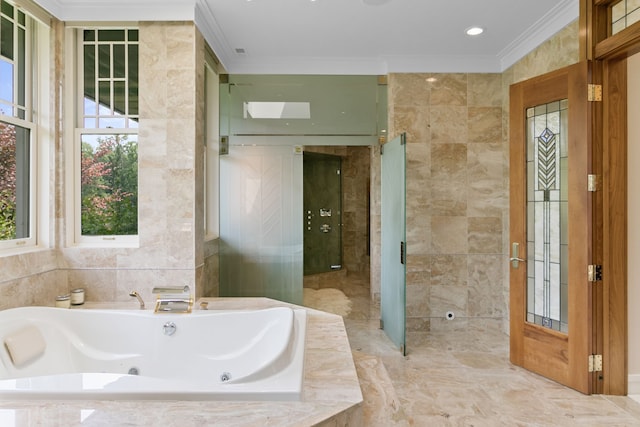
474 31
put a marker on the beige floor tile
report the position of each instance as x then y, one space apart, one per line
461 377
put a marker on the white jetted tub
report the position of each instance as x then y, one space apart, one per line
136 354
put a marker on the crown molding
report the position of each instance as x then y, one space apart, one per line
106 10
212 33
555 20
200 13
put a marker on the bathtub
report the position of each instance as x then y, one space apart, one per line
55 353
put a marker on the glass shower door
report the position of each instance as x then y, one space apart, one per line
261 250
393 230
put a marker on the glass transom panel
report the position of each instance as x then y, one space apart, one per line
547 215
624 14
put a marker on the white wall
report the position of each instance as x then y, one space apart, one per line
634 222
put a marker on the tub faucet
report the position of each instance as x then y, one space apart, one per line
173 299
137 295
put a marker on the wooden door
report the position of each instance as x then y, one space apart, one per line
550 227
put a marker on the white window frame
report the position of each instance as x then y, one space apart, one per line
31 241
37 120
74 122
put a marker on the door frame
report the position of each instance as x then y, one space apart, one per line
609 125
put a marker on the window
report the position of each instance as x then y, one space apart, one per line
106 148
624 14
17 128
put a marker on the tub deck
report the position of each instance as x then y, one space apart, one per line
331 391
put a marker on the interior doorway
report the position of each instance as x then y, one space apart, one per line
346 290
322 201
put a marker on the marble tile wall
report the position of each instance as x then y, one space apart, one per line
457 188
171 249
455 194
169 179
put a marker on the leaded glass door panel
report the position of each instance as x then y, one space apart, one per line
550 227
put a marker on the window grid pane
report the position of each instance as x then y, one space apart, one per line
14 54
110 66
624 14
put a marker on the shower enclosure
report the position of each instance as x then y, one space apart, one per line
266 121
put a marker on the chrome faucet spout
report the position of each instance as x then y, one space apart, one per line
137 295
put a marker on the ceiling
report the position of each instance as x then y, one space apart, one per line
348 36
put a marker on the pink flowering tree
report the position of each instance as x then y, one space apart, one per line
109 181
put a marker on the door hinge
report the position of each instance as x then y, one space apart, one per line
594 272
594 92
592 182
595 363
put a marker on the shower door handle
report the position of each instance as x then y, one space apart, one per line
403 253
515 255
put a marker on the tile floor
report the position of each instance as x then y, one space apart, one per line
460 378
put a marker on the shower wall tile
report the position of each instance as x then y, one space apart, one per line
417 324
449 235
418 270
446 124
417 295
414 121
449 89
409 89
485 286
487 186
485 235
456 190
443 298
448 206
484 90
448 163
449 270
485 124
418 234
